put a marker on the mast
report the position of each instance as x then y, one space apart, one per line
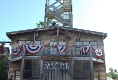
58 12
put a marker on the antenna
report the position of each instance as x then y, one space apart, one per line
58 12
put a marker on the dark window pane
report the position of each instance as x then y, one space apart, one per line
28 65
27 74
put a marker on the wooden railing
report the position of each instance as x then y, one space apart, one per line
69 51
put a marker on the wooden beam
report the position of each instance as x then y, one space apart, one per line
81 58
98 60
15 59
56 58
32 57
5 41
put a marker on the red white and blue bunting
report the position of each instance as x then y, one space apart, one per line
85 49
61 49
98 53
16 50
33 49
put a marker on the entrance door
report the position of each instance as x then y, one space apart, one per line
56 70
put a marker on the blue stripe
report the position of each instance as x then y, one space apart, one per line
33 49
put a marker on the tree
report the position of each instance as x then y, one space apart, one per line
113 73
115 70
3 70
40 24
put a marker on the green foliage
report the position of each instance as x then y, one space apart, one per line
113 73
40 24
3 70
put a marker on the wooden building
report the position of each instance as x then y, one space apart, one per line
57 51
73 54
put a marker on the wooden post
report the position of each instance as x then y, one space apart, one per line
91 65
41 69
22 63
72 64
22 68
34 37
91 70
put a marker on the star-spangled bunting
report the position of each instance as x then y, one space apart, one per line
61 49
33 49
85 49
98 53
16 50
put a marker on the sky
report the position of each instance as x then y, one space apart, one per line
94 15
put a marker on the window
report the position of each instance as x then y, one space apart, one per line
52 47
17 75
78 43
28 69
86 43
94 44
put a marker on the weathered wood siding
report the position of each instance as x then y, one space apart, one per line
69 36
101 68
15 66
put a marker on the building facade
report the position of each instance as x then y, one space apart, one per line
57 53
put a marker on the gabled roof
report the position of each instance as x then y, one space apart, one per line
9 34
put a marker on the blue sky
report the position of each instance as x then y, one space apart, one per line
95 15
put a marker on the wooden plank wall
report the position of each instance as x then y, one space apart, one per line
13 68
101 68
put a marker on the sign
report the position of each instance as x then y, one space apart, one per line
56 65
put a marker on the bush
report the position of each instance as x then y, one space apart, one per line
3 70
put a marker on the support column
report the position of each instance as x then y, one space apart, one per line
22 68
41 69
72 64
91 65
91 70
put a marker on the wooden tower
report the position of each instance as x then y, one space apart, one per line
57 51
59 12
